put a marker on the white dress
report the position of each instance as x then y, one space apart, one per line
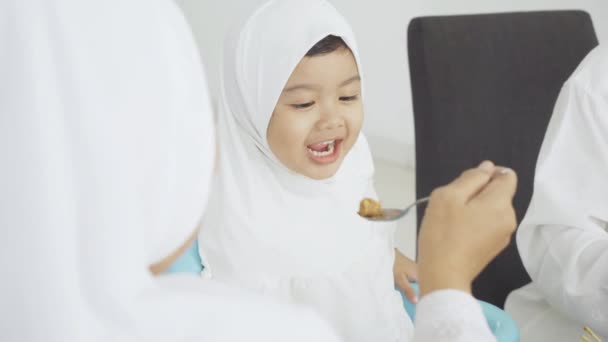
562 239
363 293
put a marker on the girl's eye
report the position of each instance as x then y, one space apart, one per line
303 105
349 98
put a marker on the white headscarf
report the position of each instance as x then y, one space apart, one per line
106 140
264 218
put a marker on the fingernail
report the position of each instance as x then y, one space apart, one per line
486 166
505 171
415 300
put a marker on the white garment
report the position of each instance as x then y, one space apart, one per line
450 316
107 146
562 239
291 237
281 233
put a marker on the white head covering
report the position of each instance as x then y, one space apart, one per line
572 169
107 143
264 218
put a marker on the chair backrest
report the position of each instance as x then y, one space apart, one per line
484 87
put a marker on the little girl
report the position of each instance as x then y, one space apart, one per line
293 166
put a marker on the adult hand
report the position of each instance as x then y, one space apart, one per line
466 224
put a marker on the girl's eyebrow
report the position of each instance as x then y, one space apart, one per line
350 80
299 87
312 87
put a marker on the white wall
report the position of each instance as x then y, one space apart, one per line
380 27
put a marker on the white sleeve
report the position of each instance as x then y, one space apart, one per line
563 240
451 316
570 266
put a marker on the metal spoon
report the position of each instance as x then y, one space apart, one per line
391 214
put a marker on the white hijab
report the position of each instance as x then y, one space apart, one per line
107 142
264 218
571 181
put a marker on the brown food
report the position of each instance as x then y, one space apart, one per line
370 208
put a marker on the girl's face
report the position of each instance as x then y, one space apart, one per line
319 114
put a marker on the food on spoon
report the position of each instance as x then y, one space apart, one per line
370 208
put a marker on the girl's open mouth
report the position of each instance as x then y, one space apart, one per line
325 152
